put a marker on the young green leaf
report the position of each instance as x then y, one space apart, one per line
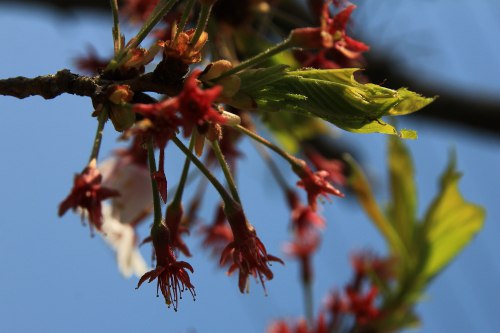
333 95
450 223
403 205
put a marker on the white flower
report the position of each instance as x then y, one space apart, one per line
122 239
134 184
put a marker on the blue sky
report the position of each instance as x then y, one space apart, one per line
55 278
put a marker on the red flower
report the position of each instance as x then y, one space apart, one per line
173 221
87 194
315 184
247 252
366 263
195 104
183 50
159 176
172 276
331 35
362 305
135 154
305 222
336 26
337 305
217 235
161 122
279 327
302 248
335 168
361 294
304 218
301 327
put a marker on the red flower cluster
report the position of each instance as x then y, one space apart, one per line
247 253
160 124
172 276
305 225
195 104
301 327
250 257
335 168
360 305
336 27
335 48
173 220
304 218
218 234
87 194
162 120
315 184
360 295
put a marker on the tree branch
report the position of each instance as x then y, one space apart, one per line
50 86
451 108
65 82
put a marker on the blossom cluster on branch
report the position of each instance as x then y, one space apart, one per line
217 77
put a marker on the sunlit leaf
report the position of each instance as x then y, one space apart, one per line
333 95
451 222
403 205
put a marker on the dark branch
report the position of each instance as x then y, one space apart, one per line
65 82
50 86
451 108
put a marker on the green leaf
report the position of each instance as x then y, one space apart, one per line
450 223
333 95
403 205
410 102
362 189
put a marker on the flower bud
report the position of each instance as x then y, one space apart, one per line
122 116
120 94
310 38
231 84
216 69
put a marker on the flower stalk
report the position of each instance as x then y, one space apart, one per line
202 21
94 154
184 175
274 168
161 9
225 169
156 196
226 197
117 40
294 162
308 301
261 57
183 21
